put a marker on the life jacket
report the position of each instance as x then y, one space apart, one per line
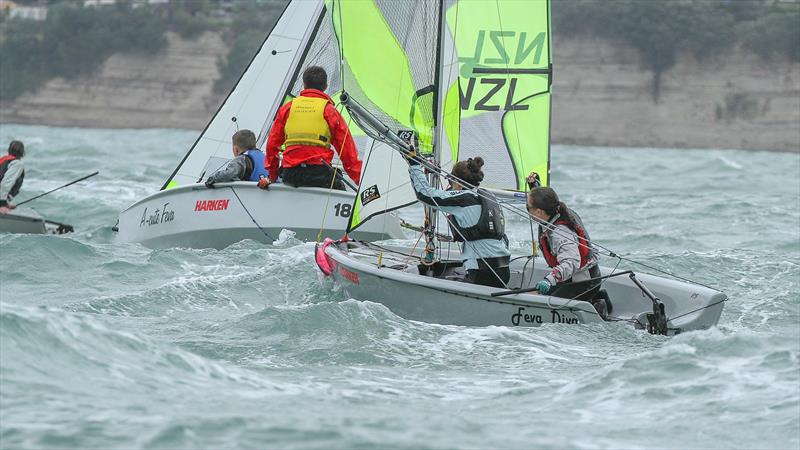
491 224
5 161
257 158
306 124
583 241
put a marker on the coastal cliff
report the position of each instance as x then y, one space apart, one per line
171 89
736 101
601 97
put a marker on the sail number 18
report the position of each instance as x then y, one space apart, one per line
343 209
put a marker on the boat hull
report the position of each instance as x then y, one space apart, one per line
26 220
197 217
449 302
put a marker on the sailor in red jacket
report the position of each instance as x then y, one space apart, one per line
308 126
12 173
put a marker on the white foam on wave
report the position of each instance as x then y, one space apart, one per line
284 237
730 163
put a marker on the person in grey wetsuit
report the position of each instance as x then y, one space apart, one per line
476 220
566 246
247 164
12 173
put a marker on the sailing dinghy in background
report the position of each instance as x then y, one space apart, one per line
26 220
468 78
184 213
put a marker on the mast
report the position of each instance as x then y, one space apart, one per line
431 215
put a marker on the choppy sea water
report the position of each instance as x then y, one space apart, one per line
108 345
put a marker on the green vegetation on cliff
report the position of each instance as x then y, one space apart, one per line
76 40
72 42
660 30
251 22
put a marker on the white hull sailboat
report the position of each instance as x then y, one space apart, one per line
491 71
185 213
194 216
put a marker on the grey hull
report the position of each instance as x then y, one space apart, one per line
26 220
197 217
398 285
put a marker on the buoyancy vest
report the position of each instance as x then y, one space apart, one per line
5 161
306 124
257 158
583 242
491 224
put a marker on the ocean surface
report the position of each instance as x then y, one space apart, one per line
109 345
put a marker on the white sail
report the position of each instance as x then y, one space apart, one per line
258 94
382 190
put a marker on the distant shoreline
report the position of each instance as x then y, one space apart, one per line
562 144
600 97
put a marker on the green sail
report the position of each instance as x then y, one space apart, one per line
388 64
498 104
378 72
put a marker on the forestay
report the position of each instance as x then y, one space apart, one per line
470 78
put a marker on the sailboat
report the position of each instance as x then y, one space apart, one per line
184 213
26 220
455 79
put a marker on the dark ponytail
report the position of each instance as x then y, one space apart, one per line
546 199
469 170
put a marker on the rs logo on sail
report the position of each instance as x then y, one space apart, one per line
493 80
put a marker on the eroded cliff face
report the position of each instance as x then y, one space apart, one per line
172 89
734 101
601 97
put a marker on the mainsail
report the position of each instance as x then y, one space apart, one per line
257 95
470 78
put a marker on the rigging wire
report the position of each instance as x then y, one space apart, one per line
338 8
553 229
251 216
330 190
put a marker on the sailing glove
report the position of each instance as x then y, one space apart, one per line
263 182
543 287
209 183
533 180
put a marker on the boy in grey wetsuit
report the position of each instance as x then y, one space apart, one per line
247 164
476 220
